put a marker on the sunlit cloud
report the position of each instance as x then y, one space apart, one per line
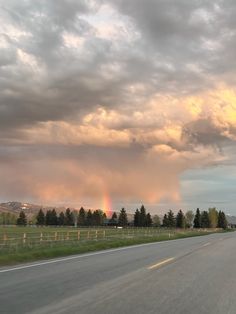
114 100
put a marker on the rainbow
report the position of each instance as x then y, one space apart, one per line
106 204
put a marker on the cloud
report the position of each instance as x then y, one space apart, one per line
116 96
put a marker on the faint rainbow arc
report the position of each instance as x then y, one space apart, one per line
107 204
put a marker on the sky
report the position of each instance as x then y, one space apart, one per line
118 103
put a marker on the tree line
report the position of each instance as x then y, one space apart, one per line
201 219
204 219
70 218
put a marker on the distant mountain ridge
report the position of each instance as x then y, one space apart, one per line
15 207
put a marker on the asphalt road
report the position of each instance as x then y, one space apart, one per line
187 276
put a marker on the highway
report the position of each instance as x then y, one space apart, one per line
185 276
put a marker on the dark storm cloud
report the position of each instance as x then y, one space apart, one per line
205 132
171 36
172 41
178 49
200 33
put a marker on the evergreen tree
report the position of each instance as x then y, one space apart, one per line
222 221
82 217
165 222
89 218
97 218
104 217
61 219
69 218
197 219
122 220
171 219
113 220
40 218
21 220
48 218
205 222
54 217
143 221
148 220
180 220
137 218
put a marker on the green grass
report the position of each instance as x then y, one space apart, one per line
51 250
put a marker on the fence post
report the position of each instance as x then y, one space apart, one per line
41 237
88 235
55 236
24 238
96 234
5 238
104 233
78 235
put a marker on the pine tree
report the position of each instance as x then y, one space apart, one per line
148 220
137 218
22 220
122 220
97 218
197 219
222 221
103 217
143 221
81 217
114 217
165 222
89 218
171 219
205 222
113 220
48 218
180 220
61 219
40 218
54 217
69 218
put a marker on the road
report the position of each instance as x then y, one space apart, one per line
193 275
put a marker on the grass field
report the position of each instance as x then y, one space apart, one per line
24 244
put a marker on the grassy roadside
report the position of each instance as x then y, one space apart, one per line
27 254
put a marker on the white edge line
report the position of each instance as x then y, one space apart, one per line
87 255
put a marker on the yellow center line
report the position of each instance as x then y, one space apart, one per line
161 263
206 244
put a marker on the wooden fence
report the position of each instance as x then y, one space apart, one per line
34 239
